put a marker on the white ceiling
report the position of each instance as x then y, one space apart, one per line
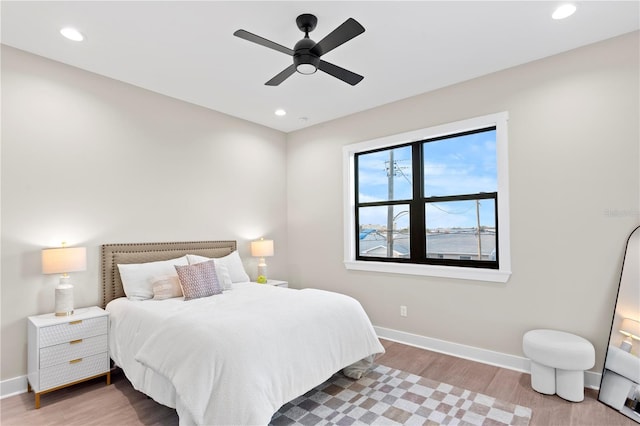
187 50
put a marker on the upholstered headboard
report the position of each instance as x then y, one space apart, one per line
114 254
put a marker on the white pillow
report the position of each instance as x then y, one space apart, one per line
224 279
137 278
231 262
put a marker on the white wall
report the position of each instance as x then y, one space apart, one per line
574 162
90 160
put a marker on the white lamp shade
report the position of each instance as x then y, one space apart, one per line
63 260
262 248
630 328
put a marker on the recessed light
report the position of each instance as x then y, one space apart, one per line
72 34
280 112
564 11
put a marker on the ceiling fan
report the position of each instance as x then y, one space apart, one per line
306 53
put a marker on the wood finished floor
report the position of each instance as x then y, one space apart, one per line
94 403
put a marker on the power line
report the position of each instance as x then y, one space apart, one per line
448 212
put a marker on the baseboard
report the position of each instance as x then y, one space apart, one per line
485 356
14 386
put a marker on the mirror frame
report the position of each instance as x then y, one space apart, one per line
620 381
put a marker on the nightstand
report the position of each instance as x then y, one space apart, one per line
67 350
278 283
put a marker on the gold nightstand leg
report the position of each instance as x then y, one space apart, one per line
37 400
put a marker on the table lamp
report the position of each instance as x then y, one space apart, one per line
262 248
62 261
631 329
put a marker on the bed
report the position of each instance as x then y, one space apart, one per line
234 357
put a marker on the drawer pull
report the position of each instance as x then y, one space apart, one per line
75 322
75 361
74 342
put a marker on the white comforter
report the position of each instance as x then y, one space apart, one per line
235 358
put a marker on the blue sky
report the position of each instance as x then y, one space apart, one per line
454 166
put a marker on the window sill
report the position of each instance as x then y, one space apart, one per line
476 274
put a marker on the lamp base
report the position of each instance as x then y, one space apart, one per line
64 300
262 268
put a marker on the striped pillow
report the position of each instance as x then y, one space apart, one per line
198 280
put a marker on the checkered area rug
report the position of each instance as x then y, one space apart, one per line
386 396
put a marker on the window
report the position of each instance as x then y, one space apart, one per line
430 202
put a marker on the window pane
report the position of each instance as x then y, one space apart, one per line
460 165
453 228
385 175
384 231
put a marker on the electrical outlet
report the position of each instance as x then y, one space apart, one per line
403 311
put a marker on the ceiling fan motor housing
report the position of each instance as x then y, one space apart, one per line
305 61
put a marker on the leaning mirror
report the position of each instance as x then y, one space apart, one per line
620 385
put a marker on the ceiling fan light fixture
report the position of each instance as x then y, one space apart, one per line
306 68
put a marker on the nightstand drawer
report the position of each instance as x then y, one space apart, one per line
73 330
73 370
81 348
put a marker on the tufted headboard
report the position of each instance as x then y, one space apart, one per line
113 254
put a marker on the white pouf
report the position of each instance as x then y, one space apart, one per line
558 361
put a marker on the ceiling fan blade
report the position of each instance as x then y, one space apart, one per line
262 41
345 32
344 75
282 76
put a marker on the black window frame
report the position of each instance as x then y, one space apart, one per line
417 208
